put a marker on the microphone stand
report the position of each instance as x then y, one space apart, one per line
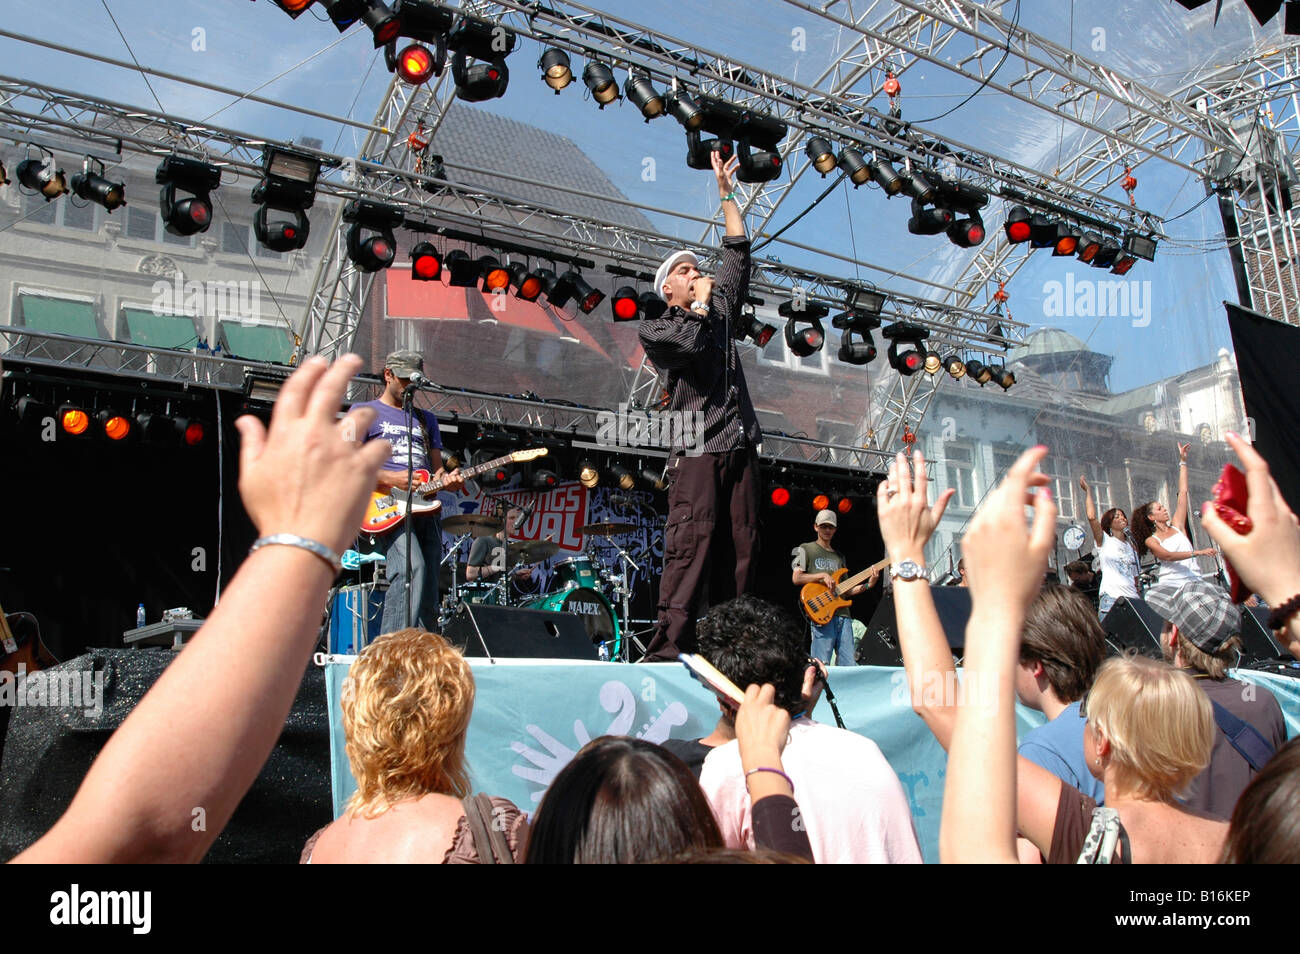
408 401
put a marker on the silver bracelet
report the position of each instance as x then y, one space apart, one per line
293 540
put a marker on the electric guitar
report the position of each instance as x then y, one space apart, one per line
387 510
819 604
23 648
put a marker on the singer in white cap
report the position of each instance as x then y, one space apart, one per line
711 538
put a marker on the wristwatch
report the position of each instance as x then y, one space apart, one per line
908 570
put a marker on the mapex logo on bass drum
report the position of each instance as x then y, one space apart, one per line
585 609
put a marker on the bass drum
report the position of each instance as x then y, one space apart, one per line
596 612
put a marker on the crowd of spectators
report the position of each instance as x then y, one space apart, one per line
1140 760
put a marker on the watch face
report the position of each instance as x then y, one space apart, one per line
1073 537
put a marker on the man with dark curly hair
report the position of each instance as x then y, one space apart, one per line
850 800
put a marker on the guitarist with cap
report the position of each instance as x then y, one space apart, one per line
818 563
421 442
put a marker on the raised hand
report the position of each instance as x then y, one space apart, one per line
906 520
1182 452
724 171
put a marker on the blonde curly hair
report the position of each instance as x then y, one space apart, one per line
406 705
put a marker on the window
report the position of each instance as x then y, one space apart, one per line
234 238
40 212
1099 481
64 212
960 461
145 327
66 316
1003 458
255 342
1062 485
836 432
78 216
141 224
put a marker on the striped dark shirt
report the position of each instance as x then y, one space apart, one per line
699 357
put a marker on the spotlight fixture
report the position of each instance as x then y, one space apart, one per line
426 263
528 284
479 82
820 155
544 479
625 479
624 304
652 306
1067 240
886 176
560 291
912 360
41 176
928 221
415 64
699 151
588 297
866 301
462 271
75 420
588 475
496 278
653 478
384 24
803 342
194 212
281 230
1106 255
1002 377
758 143
113 425
295 8
556 69
599 78
933 365
1088 246
852 162
749 326
287 189
966 233
93 187
481 39
918 185
371 252
1042 231
780 496
1123 263
643 95
979 372
857 352
1017 226
821 502
683 108
844 505
1142 246
955 367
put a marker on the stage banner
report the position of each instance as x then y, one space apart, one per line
530 718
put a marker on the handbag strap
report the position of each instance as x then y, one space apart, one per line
1243 737
489 841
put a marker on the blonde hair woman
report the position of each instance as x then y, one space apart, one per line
406 708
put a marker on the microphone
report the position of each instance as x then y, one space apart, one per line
418 380
523 517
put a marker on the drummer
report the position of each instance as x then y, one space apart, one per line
487 557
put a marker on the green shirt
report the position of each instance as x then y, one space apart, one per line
815 558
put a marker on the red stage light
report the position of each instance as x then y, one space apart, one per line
780 496
913 361
844 504
821 502
426 263
116 427
625 307
194 433
415 64
74 421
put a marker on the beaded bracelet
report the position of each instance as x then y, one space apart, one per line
729 197
775 771
1278 617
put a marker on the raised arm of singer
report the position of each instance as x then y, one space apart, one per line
714 490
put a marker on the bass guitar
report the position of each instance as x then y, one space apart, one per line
387 510
820 604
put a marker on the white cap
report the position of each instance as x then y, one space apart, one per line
826 516
669 263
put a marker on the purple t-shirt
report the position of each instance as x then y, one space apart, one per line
390 424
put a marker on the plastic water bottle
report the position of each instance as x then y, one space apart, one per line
139 616
603 652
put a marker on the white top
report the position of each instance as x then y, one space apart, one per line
1177 571
1119 565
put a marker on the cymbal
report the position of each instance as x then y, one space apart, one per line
533 551
474 523
609 529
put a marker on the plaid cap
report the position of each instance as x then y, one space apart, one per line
404 363
1202 612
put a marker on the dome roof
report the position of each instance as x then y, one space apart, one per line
1047 341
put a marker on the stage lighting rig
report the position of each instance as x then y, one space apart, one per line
928 221
683 108
426 263
192 213
699 151
462 271
749 326
496 278
490 43
821 155
295 8
624 304
912 360
41 175
370 240
758 143
979 372
1017 225
599 78
643 95
528 284
557 70
94 187
854 165
287 190
1067 240
803 342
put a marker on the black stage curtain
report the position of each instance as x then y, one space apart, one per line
1268 352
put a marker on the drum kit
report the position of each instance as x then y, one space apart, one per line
579 584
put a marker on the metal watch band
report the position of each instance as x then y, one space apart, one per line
293 540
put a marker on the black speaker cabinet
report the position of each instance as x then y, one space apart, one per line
1132 624
1256 639
880 647
480 629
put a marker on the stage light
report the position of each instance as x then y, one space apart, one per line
821 502
599 78
32 412
482 81
281 230
820 155
544 480
1017 227
955 367
979 372
683 108
415 64
643 95
855 166
928 221
1088 246
857 352
462 271
74 420
426 263
496 278
556 69
93 187
186 216
294 8
288 187
886 176
192 432
912 360
1067 240
780 497
652 306
758 146
1106 255
654 478
588 475
113 425
966 233
1123 263
625 479
383 23
1141 246
866 301
343 13
757 163
844 505
918 185
803 342
749 326
371 252
624 304
588 297
1002 377
1042 231
528 284
933 364
699 152
559 291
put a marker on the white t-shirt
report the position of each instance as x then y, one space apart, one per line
1119 565
1177 571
